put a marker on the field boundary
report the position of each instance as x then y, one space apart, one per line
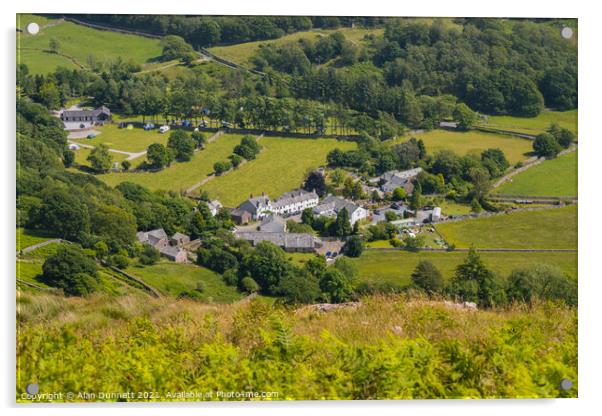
492 250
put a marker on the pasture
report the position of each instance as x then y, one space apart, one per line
180 175
534 125
554 228
554 177
82 154
241 53
135 140
26 238
396 266
80 42
174 278
280 167
463 143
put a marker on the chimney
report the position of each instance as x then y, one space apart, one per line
250 196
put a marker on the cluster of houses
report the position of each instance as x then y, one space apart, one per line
273 225
172 247
393 179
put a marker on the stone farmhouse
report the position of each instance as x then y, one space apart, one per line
290 242
82 119
258 207
393 179
331 205
171 248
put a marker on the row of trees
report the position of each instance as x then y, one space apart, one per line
474 282
203 31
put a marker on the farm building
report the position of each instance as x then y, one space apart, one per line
331 205
258 206
168 247
295 202
240 216
273 223
80 119
290 242
393 179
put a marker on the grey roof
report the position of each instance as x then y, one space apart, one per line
171 251
284 240
335 204
253 204
273 223
87 113
294 197
152 237
239 212
179 236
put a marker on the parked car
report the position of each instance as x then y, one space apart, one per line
163 129
328 253
149 126
91 136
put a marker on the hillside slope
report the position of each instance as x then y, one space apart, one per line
385 348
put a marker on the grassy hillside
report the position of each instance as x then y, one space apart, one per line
181 175
535 125
242 52
396 267
79 42
280 167
173 278
462 143
386 348
554 228
555 177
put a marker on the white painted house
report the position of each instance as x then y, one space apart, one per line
295 202
331 205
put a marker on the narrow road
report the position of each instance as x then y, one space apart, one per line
529 164
130 155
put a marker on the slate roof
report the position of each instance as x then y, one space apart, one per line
87 113
273 223
294 197
335 204
284 240
254 204
152 237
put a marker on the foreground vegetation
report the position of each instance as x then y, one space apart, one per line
387 348
555 177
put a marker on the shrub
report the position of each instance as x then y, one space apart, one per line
149 255
354 247
71 270
249 285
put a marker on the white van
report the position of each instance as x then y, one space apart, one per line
163 129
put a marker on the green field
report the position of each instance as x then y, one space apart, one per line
463 143
180 175
280 167
534 125
554 228
79 42
174 278
134 140
555 177
26 238
242 52
396 266
38 62
82 153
